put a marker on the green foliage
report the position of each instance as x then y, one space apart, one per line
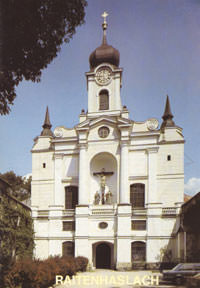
33 32
21 188
28 273
16 233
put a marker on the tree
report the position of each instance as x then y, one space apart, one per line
16 234
31 35
21 188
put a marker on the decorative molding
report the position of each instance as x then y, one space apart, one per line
43 150
70 179
58 156
145 134
152 150
144 177
152 124
163 142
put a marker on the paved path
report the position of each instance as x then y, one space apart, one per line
101 278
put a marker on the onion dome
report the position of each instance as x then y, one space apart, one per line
104 53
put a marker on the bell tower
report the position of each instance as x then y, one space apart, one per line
104 79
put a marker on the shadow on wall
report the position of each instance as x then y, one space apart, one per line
172 253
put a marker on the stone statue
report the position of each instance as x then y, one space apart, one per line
102 174
108 197
96 198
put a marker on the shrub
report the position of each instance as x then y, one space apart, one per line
81 263
27 273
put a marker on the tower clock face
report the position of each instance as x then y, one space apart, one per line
103 76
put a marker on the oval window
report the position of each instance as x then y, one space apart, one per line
103 132
103 225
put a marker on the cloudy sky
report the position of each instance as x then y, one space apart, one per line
159 44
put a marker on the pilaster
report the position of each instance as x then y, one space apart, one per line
124 188
58 190
83 189
152 175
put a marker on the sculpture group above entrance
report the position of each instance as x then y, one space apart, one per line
105 196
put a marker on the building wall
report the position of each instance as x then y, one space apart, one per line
141 149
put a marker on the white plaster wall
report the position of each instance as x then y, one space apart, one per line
70 166
170 190
42 142
42 194
55 247
137 163
41 228
176 165
41 249
154 247
95 231
38 172
82 248
123 250
158 226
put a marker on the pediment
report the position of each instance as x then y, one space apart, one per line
106 119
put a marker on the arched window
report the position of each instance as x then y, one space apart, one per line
68 248
103 100
138 251
137 193
71 197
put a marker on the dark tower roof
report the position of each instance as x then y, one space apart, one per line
104 53
167 116
47 125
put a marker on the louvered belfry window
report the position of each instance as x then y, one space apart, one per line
137 194
71 197
103 100
68 249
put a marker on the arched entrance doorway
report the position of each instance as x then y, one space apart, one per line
103 256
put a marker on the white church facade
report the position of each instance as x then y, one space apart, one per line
111 188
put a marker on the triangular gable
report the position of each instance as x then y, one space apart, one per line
121 120
103 118
110 120
83 124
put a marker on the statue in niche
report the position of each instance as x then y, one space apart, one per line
96 198
102 174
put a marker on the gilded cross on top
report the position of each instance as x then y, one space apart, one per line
104 15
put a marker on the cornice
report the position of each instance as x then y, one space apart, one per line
163 142
42 150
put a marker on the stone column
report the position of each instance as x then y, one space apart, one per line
124 187
83 189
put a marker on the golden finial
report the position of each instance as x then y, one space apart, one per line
104 24
104 15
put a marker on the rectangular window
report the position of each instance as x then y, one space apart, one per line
168 157
68 226
138 225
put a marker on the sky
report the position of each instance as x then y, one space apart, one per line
159 45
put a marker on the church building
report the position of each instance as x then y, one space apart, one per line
111 188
